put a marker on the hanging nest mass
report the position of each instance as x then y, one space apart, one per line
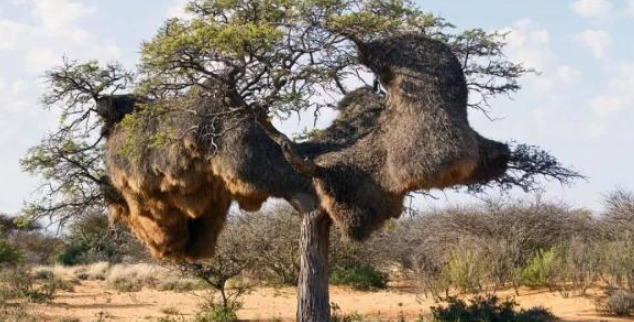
177 170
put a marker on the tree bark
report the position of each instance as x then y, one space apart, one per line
312 289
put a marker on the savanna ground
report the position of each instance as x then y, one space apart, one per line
96 300
577 265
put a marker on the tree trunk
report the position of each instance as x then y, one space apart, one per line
312 289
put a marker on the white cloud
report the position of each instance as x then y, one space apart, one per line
19 87
596 10
37 61
11 32
613 104
567 74
55 31
629 9
56 14
618 95
530 45
33 42
598 41
177 10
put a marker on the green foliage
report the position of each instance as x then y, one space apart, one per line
9 254
541 269
25 241
465 269
72 254
360 277
277 56
217 314
91 238
488 309
617 260
19 283
69 160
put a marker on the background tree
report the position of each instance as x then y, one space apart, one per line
273 58
91 238
70 160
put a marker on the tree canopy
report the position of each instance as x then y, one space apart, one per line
274 57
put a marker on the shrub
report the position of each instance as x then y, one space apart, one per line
91 239
132 278
270 237
17 313
44 274
337 316
179 285
9 254
168 318
360 277
19 283
541 269
69 319
617 260
489 309
465 270
125 285
72 254
170 310
217 314
94 271
580 265
620 303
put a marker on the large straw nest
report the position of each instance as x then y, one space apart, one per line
175 195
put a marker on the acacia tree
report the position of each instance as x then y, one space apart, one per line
271 58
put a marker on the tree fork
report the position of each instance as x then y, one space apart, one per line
312 289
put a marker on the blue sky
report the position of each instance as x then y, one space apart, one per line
581 106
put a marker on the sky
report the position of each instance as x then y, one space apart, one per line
580 107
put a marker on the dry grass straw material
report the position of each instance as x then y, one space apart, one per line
178 168
416 138
175 195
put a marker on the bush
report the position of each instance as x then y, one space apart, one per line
179 285
617 260
360 277
19 283
72 254
488 309
217 314
621 304
580 265
337 316
541 269
94 272
91 239
9 254
69 319
465 270
125 285
129 278
17 313
170 310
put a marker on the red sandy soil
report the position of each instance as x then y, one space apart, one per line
91 299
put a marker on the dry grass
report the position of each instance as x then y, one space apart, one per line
124 277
